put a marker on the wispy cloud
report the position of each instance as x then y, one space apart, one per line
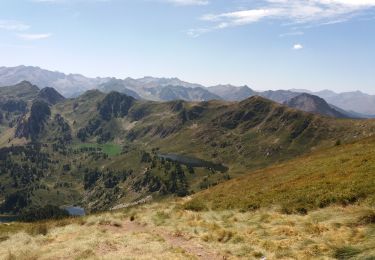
33 37
11 25
300 12
240 17
293 33
189 2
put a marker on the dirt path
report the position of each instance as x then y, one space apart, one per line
178 241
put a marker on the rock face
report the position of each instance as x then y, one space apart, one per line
14 106
50 95
115 105
33 126
313 104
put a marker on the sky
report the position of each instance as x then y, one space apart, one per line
265 44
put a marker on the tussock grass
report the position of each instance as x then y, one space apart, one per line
38 229
334 231
75 241
269 233
160 218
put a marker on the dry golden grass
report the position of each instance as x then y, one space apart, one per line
98 240
269 233
166 230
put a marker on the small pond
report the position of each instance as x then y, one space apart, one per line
75 211
7 219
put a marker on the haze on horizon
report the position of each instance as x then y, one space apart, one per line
267 44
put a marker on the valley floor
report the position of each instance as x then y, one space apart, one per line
165 230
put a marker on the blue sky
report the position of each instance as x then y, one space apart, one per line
267 44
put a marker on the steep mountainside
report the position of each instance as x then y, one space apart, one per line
313 104
15 102
33 125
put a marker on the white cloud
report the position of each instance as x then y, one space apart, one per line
297 46
13 25
349 2
241 17
189 2
33 37
307 12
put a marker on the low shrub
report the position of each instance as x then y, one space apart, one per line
195 205
38 229
368 218
346 252
160 217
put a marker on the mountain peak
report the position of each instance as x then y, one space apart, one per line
313 104
50 95
26 84
232 93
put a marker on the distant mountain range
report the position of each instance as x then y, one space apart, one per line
159 89
352 104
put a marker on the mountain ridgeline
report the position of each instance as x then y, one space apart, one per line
102 151
352 104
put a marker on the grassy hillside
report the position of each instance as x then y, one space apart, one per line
102 150
341 175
